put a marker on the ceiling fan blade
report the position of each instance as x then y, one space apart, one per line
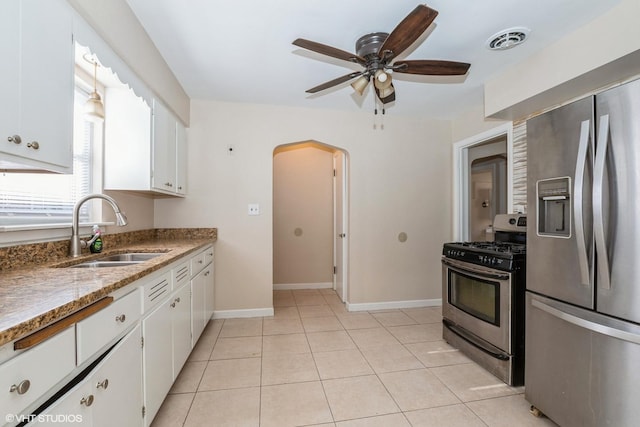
431 67
335 82
408 31
329 51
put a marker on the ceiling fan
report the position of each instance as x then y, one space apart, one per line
376 52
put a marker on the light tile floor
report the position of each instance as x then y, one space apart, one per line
315 364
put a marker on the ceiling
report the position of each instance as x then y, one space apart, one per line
241 51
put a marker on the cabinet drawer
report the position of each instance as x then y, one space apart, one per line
197 263
96 331
156 290
42 366
208 255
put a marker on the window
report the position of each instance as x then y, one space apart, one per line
38 199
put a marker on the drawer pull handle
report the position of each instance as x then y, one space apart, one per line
173 304
206 273
15 139
178 299
103 384
21 388
35 145
121 318
87 401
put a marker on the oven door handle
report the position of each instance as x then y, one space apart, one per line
467 269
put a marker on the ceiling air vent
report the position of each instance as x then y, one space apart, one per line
506 39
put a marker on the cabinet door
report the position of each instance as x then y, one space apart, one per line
209 291
37 82
198 300
181 159
164 149
117 384
181 328
157 358
47 100
10 81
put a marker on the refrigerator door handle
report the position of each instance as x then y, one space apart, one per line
598 199
585 323
578 219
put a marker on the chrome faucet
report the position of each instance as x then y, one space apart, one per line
76 243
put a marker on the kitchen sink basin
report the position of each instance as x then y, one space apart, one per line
117 260
99 264
130 257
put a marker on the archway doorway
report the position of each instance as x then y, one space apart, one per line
310 217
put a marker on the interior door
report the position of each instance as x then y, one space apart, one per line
340 225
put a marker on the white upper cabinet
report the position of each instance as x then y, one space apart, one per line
181 158
169 151
36 109
127 141
164 149
145 148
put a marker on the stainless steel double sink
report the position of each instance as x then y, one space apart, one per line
118 260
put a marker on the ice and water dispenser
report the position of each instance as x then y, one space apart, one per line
554 207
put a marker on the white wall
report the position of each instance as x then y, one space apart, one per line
400 181
602 52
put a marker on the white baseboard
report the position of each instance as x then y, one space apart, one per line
388 305
252 312
289 286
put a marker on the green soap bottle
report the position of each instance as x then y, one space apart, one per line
96 236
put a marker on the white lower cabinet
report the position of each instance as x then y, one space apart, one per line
116 381
167 344
181 328
110 395
202 292
157 358
201 301
198 298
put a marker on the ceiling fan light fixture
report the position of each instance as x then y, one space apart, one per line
360 84
382 80
385 93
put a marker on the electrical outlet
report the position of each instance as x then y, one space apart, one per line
254 209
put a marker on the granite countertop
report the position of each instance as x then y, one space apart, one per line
32 297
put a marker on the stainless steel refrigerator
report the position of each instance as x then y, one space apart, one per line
582 363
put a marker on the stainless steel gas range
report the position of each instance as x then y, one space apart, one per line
483 289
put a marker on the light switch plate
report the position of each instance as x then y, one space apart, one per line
254 209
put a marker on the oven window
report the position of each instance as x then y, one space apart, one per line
477 297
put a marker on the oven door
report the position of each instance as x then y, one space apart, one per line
478 299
